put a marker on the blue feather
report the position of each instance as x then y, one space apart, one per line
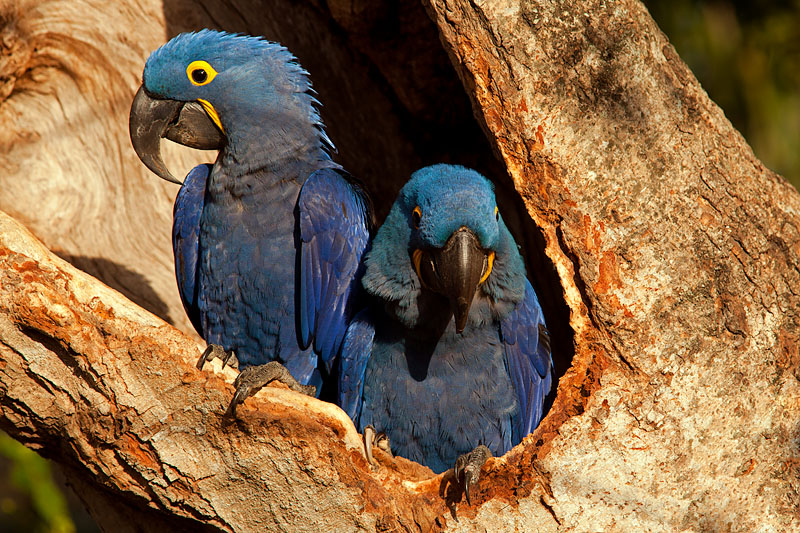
527 363
185 227
269 239
355 354
404 368
306 303
334 232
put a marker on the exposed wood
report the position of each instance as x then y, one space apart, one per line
678 253
675 251
68 74
94 382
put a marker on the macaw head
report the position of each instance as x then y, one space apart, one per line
442 236
212 90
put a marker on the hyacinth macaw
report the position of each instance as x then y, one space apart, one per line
452 358
268 239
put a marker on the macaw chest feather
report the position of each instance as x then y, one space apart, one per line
459 382
247 277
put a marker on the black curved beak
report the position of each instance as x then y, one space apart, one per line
455 271
185 123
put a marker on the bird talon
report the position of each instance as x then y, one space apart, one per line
215 351
253 378
230 412
229 356
467 469
205 356
373 439
369 440
467 482
382 442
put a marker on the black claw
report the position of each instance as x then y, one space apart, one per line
215 351
238 397
458 468
204 357
467 482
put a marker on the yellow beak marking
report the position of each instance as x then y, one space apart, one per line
489 269
416 257
212 113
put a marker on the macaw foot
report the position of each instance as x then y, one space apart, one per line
467 469
215 351
371 439
251 379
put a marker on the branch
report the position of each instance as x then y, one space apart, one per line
107 389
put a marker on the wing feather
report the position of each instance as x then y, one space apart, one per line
356 350
529 361
185 241
334 223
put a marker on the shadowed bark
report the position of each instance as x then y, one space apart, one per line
663 246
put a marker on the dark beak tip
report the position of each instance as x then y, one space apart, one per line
460 315
455 271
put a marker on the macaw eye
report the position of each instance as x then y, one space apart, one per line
416 216
496 213
200 73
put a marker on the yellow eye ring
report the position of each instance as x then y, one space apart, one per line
200 73
416 216
496 213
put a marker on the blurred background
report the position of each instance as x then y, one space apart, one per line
745 54
747 57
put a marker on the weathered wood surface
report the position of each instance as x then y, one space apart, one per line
110 391
68 72
678 252
675 251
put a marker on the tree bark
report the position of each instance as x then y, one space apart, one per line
666 254
678 254
94 382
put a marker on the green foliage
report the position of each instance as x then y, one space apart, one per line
746 55
29 498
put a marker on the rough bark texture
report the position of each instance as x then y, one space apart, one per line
111 392
675 251
678 253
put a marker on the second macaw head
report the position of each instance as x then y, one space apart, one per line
443 235
209 89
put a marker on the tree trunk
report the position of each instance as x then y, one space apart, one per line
678 254
666 254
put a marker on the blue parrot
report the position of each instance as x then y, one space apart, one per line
452 358
268 240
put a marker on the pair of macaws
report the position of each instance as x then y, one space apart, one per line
429 332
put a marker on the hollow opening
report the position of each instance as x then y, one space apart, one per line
392 103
